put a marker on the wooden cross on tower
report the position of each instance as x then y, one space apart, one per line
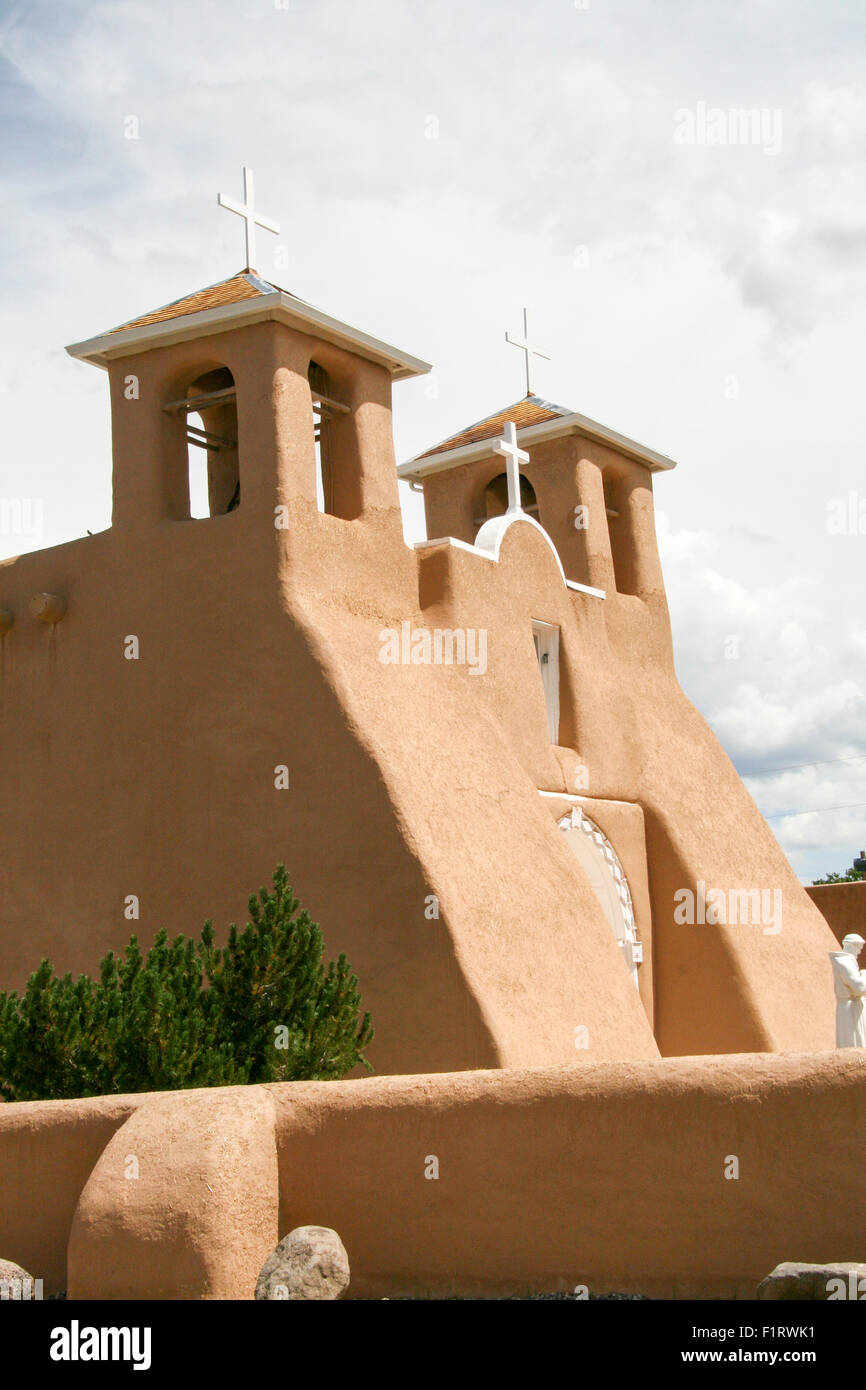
247 211
513 459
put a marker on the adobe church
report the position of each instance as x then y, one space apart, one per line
472 753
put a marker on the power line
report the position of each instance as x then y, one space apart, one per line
817 811
794 767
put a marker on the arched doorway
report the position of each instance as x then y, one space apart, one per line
600 862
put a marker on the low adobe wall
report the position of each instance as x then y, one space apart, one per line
48 1150
612 1176
843 905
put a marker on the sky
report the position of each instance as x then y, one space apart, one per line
698 277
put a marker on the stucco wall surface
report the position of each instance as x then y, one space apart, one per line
612 1176
409 784
843 905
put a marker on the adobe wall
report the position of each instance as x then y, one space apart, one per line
623 824
843 905
716 988
259 647
412 787
611 1176
48 1150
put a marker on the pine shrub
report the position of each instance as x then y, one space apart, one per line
190 1013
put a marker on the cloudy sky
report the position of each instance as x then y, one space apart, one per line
700 282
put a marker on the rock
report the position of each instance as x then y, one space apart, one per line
310 1262
15 1282
802 1281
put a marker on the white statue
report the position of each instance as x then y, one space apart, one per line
850 984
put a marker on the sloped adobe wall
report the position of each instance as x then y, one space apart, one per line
842 905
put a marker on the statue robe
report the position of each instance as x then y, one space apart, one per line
850 985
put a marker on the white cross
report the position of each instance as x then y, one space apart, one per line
528 349
250 216
513 458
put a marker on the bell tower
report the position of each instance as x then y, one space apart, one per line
589 488
288 405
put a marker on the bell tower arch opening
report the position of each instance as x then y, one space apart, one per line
494 500
209 410
323 413
338 463
197 466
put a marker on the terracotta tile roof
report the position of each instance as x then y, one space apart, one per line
245 285
532 410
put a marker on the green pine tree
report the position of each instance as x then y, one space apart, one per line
190 1013
281 1014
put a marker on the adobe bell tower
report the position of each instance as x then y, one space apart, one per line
587 486
294 406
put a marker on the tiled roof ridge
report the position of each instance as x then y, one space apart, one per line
549 405
543 410
248 284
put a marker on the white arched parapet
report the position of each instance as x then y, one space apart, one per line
490 537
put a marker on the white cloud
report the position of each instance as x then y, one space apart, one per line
718 315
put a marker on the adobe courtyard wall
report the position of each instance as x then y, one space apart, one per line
842 905
48 1150
611 1176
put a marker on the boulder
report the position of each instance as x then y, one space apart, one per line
15 1282
310 1262
802 1281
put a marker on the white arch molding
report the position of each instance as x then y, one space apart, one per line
601 864
492 533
